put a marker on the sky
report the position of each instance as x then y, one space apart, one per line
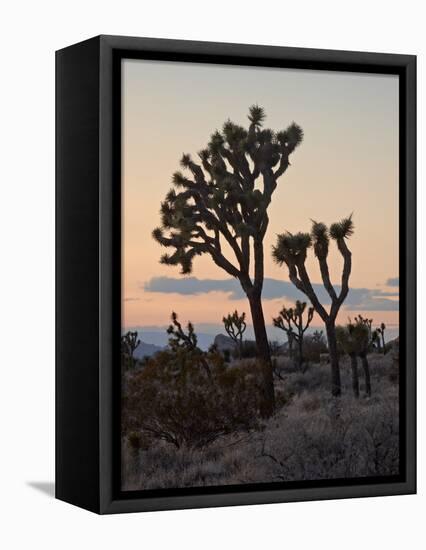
347 163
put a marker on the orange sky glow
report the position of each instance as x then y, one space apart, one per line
348 162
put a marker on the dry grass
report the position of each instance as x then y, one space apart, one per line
311 437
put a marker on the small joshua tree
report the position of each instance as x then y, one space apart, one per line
353 340
129 344
317 336
369 324
235 326
180 340
292 250
381 337
375 341
221 210
366 343
347 343
293 317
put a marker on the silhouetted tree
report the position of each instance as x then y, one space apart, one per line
375 340
235 326
292 250
353 339
293 317
187 341
366 343
368 323
381 333
221 210
179 338
129 344
317 336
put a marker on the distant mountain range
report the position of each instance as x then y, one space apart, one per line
146 350
155 340
160 339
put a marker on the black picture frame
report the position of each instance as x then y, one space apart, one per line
88 271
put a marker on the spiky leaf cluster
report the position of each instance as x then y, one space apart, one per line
219 199
343 229
320 239
291 248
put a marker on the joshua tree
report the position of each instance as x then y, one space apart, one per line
293 317
347 342
129 344
290 340
318 336
381 337
235 326
366 342
368 323
353 340
292 250
179 340
221 210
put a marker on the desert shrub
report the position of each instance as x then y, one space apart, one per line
394 369
313 346
313 380
322 443
175 400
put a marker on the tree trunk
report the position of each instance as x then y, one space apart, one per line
336 387
290 347
264 355
355 379
300 358
366 368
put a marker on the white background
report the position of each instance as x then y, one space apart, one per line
30 32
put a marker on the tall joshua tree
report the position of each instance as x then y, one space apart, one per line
235 326
290 320
292 250
221 210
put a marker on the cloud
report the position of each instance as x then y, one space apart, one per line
130 299
393 281
358 298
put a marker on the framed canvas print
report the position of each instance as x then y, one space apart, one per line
235 274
